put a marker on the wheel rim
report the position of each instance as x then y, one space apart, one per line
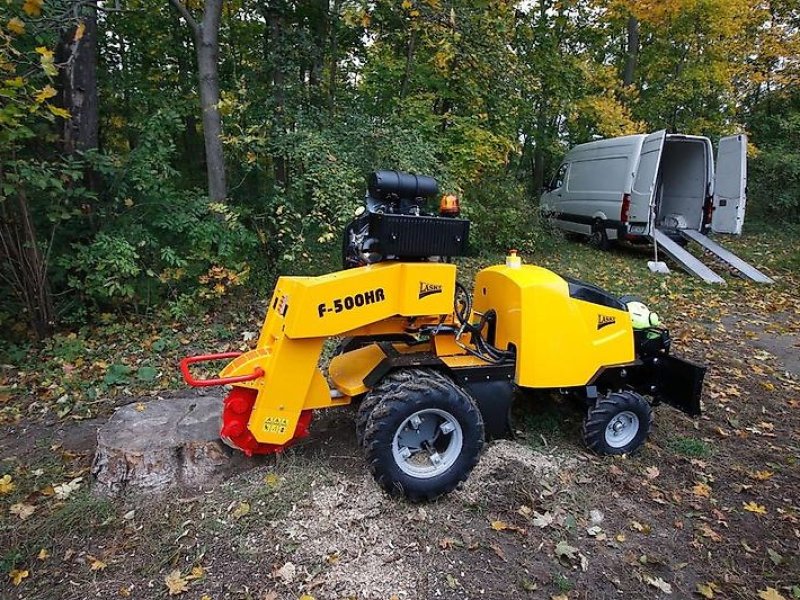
621 429
427 443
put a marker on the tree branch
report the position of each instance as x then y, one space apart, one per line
186 15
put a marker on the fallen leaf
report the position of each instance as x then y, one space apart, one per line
499 525
197 573
762 475
306 597
6 485
22 510
620 537
287 572
563 549
18 575
451 581
755 508
770 594
658 583
43 554
542 519
636 526
271 479
706 531
96 564
702 490
175 583
140 407
652 472
271 595
65 490
706 590
242 509
776 558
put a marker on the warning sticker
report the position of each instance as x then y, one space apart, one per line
276 425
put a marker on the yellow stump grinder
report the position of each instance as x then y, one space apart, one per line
433 367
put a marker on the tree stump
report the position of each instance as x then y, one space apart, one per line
150 447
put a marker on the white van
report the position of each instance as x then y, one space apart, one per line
627 187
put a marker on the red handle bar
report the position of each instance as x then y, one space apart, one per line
190 360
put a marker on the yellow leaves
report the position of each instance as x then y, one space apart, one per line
17 575
496 525
754 507
702 490
44 52
176 583
44 553
197 573
140 407
16 26
95 564
47 60
6 485
503 526
761 475
306 597
59 112
33 8
706 590
770 594
22 510
43 94
79 31
271 479
242 509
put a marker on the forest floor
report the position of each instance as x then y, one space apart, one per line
709 508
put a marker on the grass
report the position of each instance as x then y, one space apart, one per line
688 446
81 515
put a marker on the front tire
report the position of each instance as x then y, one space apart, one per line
618 423
423 435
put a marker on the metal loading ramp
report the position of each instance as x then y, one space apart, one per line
746 269
688 262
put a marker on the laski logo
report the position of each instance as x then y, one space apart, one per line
428 289
604 321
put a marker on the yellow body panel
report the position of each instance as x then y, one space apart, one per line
306 310
347 371
560 341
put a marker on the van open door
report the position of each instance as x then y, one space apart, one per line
730 185
644 184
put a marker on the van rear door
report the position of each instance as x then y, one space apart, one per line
644 183
730 185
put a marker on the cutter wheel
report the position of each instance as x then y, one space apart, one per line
236 413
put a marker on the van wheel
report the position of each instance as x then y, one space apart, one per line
599 238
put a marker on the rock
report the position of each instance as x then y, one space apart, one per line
150 447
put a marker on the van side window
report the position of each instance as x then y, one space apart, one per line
558 179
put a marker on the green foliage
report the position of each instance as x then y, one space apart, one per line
155 240
689 446
774 174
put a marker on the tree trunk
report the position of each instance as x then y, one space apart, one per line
206 43
632 51
273 38
78 51
412 38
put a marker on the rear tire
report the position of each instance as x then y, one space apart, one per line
618 423
599 238
423 435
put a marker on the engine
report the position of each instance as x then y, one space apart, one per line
395 224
